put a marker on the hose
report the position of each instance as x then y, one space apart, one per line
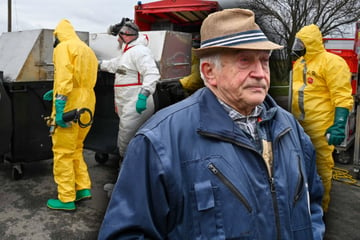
81 111
75 116
343 175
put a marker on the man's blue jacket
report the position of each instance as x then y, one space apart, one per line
191 173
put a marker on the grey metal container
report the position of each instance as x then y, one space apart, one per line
27 55
26 74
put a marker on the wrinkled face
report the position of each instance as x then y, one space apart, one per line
242 80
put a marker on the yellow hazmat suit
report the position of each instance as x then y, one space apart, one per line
193 81
321 83
75 76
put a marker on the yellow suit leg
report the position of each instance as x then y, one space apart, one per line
70 169
325 165
82 178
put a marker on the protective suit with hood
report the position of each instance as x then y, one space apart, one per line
322 99
75 74
193 81
136 75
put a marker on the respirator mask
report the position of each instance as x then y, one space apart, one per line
298 49
128 29
115 29
56 42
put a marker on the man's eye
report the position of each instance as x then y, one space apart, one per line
244 59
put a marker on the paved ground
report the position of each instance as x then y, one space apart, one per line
23 211
24 215
343 218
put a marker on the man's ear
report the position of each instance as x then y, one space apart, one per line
208 70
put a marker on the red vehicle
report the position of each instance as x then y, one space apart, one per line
349 49
179 15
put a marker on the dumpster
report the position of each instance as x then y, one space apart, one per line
5 119
102 137
26 74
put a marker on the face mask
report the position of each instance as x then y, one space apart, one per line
122 39
126 33
56 42
298 49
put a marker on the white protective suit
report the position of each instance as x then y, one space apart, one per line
135 70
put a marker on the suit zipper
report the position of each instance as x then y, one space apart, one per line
227 183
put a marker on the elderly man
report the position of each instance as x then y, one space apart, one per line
225 163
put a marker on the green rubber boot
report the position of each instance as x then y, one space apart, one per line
83 194
59 205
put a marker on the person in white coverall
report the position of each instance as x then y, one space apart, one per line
136 75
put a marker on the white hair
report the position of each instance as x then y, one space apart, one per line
213 59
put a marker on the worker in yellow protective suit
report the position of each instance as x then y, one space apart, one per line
322 98
75 74
193 81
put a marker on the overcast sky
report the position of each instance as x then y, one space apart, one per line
93 16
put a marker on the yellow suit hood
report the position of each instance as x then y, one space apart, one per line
312 38
65 31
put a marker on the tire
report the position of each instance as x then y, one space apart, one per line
101 157
17 172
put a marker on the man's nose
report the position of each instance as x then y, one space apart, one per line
258 69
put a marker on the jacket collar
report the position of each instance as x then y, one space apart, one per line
214 120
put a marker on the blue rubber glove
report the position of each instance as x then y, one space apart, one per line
48 96
59 107
141 103
336 133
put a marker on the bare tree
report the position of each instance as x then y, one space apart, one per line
282 19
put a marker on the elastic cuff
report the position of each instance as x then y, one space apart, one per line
144 92
61 97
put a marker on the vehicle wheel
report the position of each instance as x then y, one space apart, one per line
17 172
101 157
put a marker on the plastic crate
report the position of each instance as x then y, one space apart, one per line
349 56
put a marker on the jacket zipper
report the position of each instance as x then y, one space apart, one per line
300 184
227 183
275 204
273 191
